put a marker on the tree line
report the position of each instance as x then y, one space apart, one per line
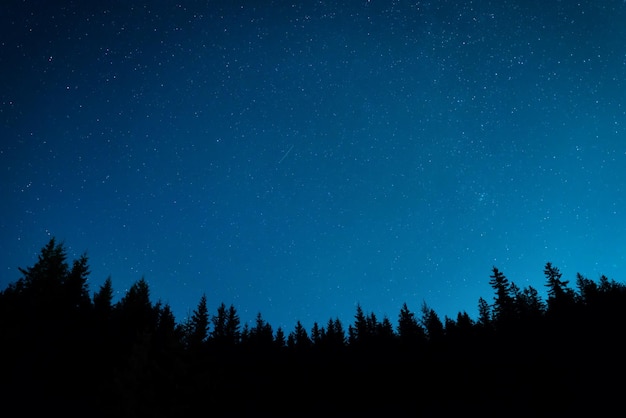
69 351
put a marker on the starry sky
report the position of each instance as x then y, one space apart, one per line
297 158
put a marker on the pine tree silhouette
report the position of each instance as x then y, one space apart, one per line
67 353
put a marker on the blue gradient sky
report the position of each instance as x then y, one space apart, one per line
297 158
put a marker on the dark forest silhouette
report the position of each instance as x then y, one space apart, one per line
66 351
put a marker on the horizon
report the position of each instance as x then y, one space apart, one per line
249 317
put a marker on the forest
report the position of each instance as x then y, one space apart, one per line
68 351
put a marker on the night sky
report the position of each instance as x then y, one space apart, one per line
298 158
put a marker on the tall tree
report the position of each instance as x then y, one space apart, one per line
76 289
410 332
384 331
560 297
218 335
372 324
484 313
339 333
432 323
168 338
246 335
587 289
556 286
261 335
198 325
41 286
301 338
464 324
316 334
226 327
135 313
50 269
503 306
291 342
360 330
233 325
167 321
103 298
530 307
279 338
333 337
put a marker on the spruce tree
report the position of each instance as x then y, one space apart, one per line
484 313
503 306
560 297
360 330
301 337
198 325
432 323
103 298
410 332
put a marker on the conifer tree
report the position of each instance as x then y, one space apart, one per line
384 331
333 336
464 323
226 327
291 342
103 298
316 334
560 297
261 335
587 290
245 335
219 324
484 313
279 338
198 325
167 335
50 269
359 332
135 311
372 324
233 324
530 307
301 337
503 306
76 289
41 286
432 323
339 333
409 330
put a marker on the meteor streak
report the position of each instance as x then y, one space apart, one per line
286 154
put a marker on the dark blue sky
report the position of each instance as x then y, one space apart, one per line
297 158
